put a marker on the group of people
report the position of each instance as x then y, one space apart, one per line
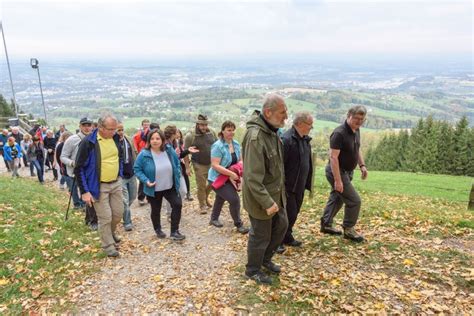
271 168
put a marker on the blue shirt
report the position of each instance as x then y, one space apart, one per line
220 149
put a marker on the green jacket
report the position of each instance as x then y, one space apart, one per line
264 174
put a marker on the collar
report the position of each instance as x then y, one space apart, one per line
271 127
349 129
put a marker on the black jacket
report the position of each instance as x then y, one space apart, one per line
295 149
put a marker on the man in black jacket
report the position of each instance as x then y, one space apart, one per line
298 170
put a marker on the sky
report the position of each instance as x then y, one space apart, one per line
225 28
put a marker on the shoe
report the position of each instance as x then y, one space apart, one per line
177 236
259 277
294 243
94 227
216 223
62 187
141 203
273 268
327 229
32 175
350 233
189 197
242 229
203 210
112 253
117 238
281 249
128 228
160 233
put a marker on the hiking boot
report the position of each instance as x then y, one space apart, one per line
94 226
112 252
128 228
259 277
242 229
141 202
294 243
117 238
328 229
280 249
177 236
203 210
160 233
216 223
273 268
189 197
350 233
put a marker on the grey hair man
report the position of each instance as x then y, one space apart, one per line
263 191
344 156
298 170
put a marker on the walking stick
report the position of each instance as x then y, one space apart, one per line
70 196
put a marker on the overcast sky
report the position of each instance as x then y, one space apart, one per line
235 28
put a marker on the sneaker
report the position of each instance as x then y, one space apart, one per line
112 253
259 277
203 210
117 238
141 202
280 249
273 268
62 187
242 229
160 233
128 228
94 226
216 223
189 197
328 229
350 233
177 236
294 243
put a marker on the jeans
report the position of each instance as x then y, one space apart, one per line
14 167
129 190
73 190
39 169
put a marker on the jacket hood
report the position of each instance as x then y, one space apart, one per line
257 121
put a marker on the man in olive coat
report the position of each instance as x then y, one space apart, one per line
264 187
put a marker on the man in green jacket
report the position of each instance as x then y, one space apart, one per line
263 191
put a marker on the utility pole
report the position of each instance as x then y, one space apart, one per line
9 70
35 65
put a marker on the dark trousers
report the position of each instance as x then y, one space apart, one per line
349 197
227 193
264 238
293 206
6 163
50 160
39 169
172 196
91 215
141 195
25 160
186 180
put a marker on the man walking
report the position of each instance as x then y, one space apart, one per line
264 187
344 155
139 142
298 170
202 138
99 172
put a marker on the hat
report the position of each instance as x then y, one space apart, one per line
85 120
202 119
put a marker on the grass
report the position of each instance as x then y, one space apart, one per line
41 255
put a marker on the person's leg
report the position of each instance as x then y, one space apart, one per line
127 221
25 160
228 193
32 169
39 172
116 204
217 207
292 213
278 229
11 167
352 202
176 205
104 214
155 204
141 195
259 239
200 173
334 203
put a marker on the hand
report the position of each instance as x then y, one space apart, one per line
273 209
50 150
150 184
365 173
233 176
193 150
88 198
338 186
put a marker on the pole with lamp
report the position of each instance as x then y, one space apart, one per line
9 70
35 65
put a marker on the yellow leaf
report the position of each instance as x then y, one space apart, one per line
408 262
336 282
157 278
4 281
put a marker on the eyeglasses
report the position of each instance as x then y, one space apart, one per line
310 125
120 130
358 118
109 129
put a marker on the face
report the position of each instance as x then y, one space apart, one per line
49 135
62 128
277 116
11 140
178 136
14 131
108 129
306 126
155 141
120 131
356 121
86 128
5 132
228 133
203 128
145 125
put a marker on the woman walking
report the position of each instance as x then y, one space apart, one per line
35 154
12 155
157 167
225 155
24 144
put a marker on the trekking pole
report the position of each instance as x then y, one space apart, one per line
70 196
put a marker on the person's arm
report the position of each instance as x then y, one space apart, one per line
82 155
215 164
362 166
334 161
66 154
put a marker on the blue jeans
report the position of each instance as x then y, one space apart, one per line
129 190
73 190
39 169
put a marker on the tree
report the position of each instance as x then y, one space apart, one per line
462 135
5 108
